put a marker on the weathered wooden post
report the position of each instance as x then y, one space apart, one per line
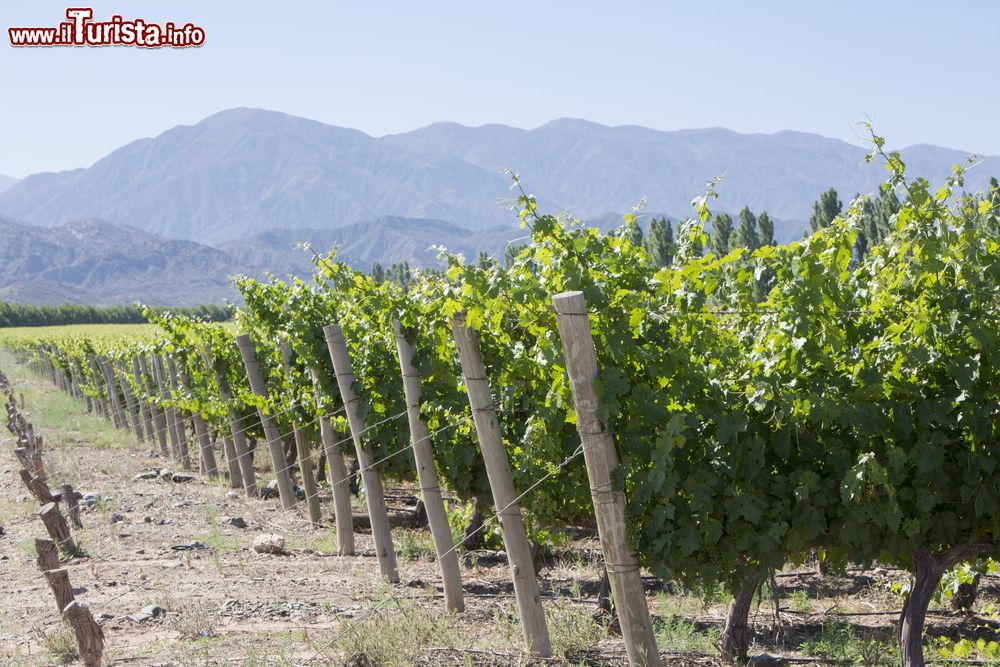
80 374
59 583
179 421
378 515
95 379
602 459
48 554
158 416
201 433
169 414
147 413
477 385
112 390
205 445
68 498
89 636
132 404
423 454
241 451
302 448
278 461
58 529
337 475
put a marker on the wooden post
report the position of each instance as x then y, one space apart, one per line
48 554
59 583
374 494
58 528
232 463
302 448
112 390
179 422
95 378
89 636
37 486
132 404
601 458
477 385
285 490
71 505
240 448
87 400
156 414
423 454
144 410
169 414
205 445
337 475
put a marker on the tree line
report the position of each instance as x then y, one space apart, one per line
23 315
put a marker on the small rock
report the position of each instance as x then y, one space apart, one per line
236 522
181 477
148 612
232 495
270 491
147 519
117 518
90 499
149 474
190 546
105 616
300 493
269 544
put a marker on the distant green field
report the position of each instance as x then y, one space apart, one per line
18 334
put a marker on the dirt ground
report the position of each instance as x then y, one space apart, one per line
182 548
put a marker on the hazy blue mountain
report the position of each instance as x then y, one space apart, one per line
243 171
6 182
96 262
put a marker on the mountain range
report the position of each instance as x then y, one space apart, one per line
6 182
243 184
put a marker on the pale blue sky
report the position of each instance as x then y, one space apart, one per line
926 72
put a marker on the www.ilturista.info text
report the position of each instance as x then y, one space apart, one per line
81 30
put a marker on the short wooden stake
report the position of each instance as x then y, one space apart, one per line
372 479
72 506
337 475
59 583
285 490
58 529
37 486
89 636
477 385
602 459
427 475
48 554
